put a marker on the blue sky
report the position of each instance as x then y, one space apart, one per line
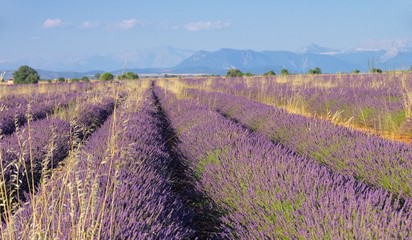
50 28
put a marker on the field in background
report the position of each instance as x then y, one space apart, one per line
282 157
380 104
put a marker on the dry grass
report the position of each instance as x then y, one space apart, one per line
64 198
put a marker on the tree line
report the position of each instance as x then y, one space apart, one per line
28 75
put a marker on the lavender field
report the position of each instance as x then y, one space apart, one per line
284 157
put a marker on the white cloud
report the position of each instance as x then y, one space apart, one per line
52 23
127 24
89 25
206 25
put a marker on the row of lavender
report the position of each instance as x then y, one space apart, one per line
379 101
32 94
267 192
15 109
16 113
371 159
29 154
119 186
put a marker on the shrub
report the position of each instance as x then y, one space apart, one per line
270 73
61 79
128 75
315 71
85 79
356 71
284 72
234 73
376 70
106 76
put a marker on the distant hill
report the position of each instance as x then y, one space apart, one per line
171 60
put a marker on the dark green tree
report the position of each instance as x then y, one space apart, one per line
128 75
270 73
132 75
315 71
106 76
25 74
85 79
234 73
376 70
61 80
356 71
75 80
284 72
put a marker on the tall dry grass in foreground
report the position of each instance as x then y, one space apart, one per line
68 197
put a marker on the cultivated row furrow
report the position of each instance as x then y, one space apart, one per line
205 218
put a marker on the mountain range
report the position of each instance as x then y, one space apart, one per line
170 60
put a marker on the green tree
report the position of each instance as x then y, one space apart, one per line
74 80
356 71
61 80
132 75
270 73
284 72
234 73
85 79
25 74
128 75
106 76
315 71
376 70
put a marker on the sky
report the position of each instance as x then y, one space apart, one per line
50 28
